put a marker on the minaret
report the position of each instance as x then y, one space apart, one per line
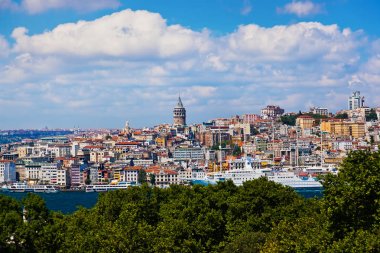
179 114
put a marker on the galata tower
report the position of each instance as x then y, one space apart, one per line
179 114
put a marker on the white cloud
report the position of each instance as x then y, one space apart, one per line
132 65
301 8
141 35
301 41
38 6
25 66
134 34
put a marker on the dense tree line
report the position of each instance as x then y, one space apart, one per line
260 216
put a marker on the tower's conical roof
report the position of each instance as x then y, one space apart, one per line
179 103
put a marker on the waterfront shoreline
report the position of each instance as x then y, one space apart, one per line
68 201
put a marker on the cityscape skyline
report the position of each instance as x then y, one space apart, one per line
95 64
356 109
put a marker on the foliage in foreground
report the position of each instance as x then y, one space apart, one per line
260 216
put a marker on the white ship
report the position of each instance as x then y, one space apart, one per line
23 187
241 175
108 187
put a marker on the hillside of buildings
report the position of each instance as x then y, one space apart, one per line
170 153
167 213
260 216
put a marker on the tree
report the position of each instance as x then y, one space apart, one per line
351 198
371 116
10 224
289 120
357 241
35 208
152 179
247 242
141 176
259 204
341 116
36 214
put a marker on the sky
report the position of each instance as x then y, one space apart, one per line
99 63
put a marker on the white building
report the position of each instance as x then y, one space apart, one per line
141 162
164 177
190 153
130 174
271 111
320 111
7 171
341 145
98 156
185 173
45 173
62 177
59 150
355 101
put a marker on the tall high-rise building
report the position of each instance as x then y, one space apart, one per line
179 114
355 101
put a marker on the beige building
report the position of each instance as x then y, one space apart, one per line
305 122
24 151
339 127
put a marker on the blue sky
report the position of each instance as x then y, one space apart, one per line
97 63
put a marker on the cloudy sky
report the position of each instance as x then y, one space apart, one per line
98 63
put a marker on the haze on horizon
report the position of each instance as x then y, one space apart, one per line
98 63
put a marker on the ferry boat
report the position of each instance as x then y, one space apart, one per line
108 187
23 187
45 188
241 175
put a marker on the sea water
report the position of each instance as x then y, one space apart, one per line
69 202
65 202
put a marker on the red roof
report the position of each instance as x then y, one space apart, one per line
126 143
5 161
93 147
133 168
305 117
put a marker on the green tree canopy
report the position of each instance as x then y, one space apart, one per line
289 120
371 116
341 116
141 176
352 198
